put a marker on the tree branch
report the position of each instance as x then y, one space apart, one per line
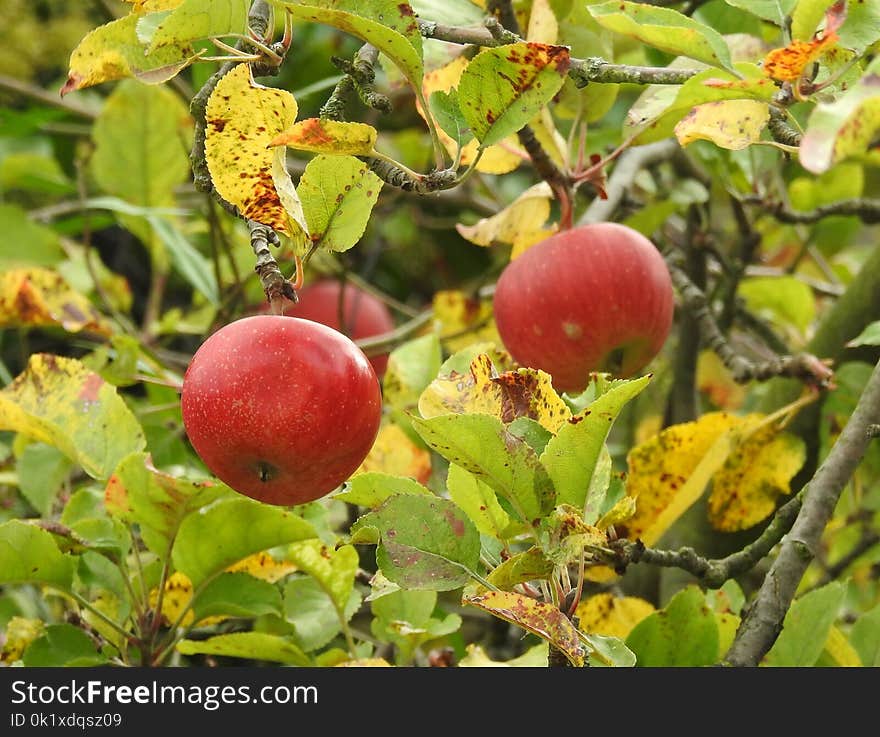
47 98
360 77
275 285
865 208
763 621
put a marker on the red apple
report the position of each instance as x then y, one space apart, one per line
363 314
594 298
283 410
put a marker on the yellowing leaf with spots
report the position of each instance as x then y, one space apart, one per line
522 223
746 489
669 472
730 124
512 394
538 617
153 6
329 137
788 63
113 51
263 566
463 320
612 616
42 298
242 120
20 632
58 401
176 600
716 382
499 159
395 454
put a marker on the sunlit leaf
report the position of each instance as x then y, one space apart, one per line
250 645
324 136
395 454
614 616
36 297
411 367
333 569
683 634
530 565
424 542
538 617
370 489
58 401
231 529
338 194
478 501
503 88
263 566
242 120
730 124
543 26
20 632
665 29
481 444
192 20
785 299
463 319
806 626
29 554
512 394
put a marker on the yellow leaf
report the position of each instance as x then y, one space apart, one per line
715 380
477 657
496 159
175 600
838 648
39 298
20 632
788 63
464 320
730 124
521 223
263 566
543 26
538 617
612 616
329 137
549 137
669 472
242 120
623 510
395 454
364 663
153 6
745 490
512 394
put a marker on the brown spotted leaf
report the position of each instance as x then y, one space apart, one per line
263 566
38 297
329 137
730 124
463 320
242 120
538 617
613 616
566 537
512 394
758 472
58 401
530 565
503 88
787 64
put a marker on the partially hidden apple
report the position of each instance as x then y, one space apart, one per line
363 315
595 297
281 409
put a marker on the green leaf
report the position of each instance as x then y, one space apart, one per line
865 637
61 403
785 299
231 529
333 569
530 565
806 17
96 571
869 336
41 470
571 457
62 645
313 615
446 110
251 645
26 243
775 11
664 29
155 501
372 488
532 431
29 554
104 534
609 651
237 595
188 262
861 28
482 445
337 194
478 502
413 607
453 12
141 151
193 20
424 543
806 626
411 367
503 88
388 25
683 634
845 127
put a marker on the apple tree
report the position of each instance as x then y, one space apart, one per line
662 452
